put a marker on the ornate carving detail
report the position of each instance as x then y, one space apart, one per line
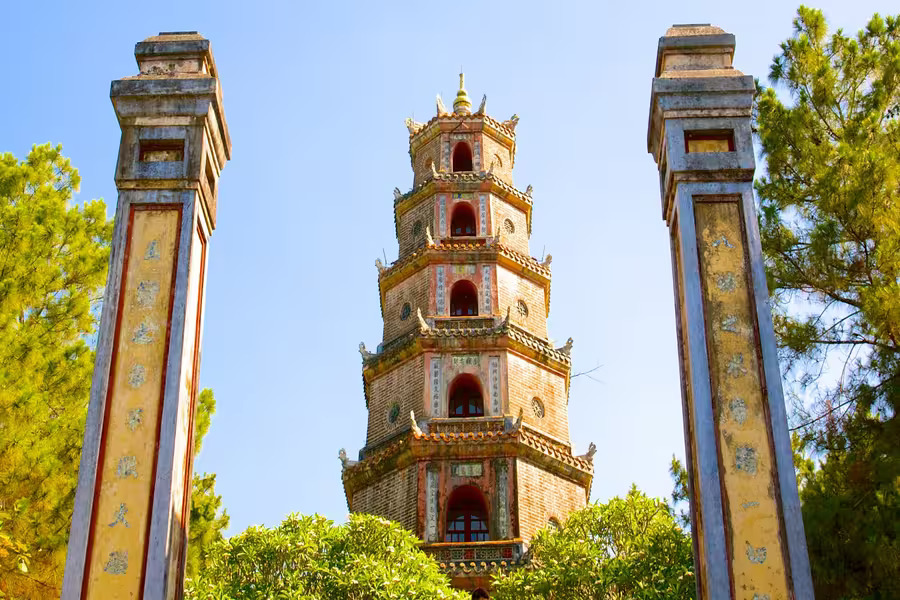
567 348
413 126
414 425
380 266
397 194
589 455
529 190
423 324
441 109
482 106
365 353
511 123
345 462
429 241
547 261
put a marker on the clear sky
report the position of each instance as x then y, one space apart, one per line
315 96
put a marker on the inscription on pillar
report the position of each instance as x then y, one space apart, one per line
436 386
442 215
753 528
135 392
486 287
431 504
495 384
482 214
440 303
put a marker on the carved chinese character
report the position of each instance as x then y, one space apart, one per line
127 467
135 418
152 252
117 564
722 241
745 459
119 516
726 282
738 410
144 333
729 324
136 376
735 366
756 555
146 293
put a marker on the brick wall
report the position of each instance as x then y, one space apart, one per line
493 151
392 497
413 289
430 151
405 385
422 213
500 211
511 288
528 380
542 496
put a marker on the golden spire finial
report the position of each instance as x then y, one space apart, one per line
461 104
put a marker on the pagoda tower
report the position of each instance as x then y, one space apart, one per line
468 434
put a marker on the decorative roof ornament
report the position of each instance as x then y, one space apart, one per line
366 355
423 324
414 425
567 348
461 105
429 240
345 462
380 266
397 194
589 455
546 262
529 190
413 126
481 108
511 123
441 109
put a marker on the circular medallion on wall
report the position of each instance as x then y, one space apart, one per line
508 226
405 311
522 308
393 413
417 229
538 407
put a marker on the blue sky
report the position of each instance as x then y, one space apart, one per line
315 96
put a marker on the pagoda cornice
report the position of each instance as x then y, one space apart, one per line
506 335
523 442
475 250
481 181
422 133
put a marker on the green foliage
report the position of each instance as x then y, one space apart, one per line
309 558
630 547
53 259
830 227
207 522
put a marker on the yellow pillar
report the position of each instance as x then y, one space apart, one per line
129 530
747 526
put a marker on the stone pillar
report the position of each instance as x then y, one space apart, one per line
129 530
745 512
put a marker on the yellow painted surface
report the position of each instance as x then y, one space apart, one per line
748 475
708 145
129 443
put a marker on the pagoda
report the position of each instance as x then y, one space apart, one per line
468 435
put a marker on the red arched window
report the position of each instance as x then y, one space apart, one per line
462 157
467 518
463 299
463 221
465 397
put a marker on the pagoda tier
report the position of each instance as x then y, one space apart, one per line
467 441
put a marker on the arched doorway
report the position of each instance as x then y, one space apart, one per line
463 299
467 517
462 157
466 399
463 221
